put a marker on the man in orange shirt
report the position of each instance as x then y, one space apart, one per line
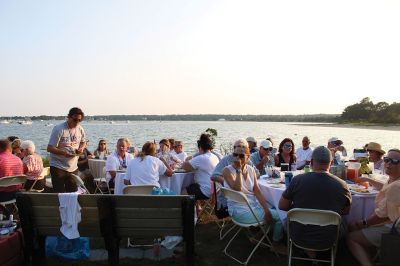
10 165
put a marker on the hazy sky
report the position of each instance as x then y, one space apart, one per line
197 57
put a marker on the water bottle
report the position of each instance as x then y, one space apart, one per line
157 248
306 169
288 178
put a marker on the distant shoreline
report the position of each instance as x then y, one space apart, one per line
372 126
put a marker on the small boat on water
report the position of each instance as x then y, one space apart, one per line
25 122
4 122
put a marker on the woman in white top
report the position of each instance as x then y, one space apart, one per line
203 165
242 177
146 168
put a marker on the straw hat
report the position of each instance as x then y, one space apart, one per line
373 146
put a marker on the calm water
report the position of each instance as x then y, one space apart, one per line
141 131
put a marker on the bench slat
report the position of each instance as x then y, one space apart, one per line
122 201
92 213
122 232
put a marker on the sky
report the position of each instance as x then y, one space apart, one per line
197 57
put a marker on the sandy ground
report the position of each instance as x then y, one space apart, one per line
375 127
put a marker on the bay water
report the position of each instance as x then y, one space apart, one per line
188 131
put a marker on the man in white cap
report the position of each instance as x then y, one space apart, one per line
303 154
264 157
252 144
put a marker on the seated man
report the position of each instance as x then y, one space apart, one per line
316 190
303 154
337 149
263 157
252 144
10 165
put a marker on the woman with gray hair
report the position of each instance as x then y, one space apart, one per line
33 165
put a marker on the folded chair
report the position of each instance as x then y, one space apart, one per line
138 190
241 198
7 181
312 217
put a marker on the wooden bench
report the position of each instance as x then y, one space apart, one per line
109 216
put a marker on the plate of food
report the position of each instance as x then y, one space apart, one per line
357 189
180 170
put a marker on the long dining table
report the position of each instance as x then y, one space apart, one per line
175 183
362 205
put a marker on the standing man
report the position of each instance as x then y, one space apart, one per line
303 154
263 157
67 142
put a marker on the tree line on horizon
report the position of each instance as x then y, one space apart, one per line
363 112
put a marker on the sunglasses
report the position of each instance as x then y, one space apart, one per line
102 143
241 156
287 146
76 120
391 160
268 149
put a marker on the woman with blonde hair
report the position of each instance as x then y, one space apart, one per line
33 165
146 168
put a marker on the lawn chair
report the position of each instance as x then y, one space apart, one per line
81 185
43 175
241 198
138 190
312 217
97 169
7 181
223 220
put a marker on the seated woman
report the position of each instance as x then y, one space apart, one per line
16 148
33 166
203 165
146 168
367 234
101 152
118 160
242 177
286 153
165 155
375 155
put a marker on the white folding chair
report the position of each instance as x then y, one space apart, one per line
137 190
43 175
97 169
80 184
241 198
312 217
7 181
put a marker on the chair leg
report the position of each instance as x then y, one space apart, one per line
224 225
290 253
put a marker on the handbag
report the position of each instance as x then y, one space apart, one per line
390 246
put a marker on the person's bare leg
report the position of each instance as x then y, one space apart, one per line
359 247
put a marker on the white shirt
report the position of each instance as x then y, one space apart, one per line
181 156
302 156
146 172
114 162
204 165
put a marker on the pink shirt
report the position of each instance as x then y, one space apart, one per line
10 165
34 165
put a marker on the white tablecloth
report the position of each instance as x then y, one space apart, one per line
361 208
175 182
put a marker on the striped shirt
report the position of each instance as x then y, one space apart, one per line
10 165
